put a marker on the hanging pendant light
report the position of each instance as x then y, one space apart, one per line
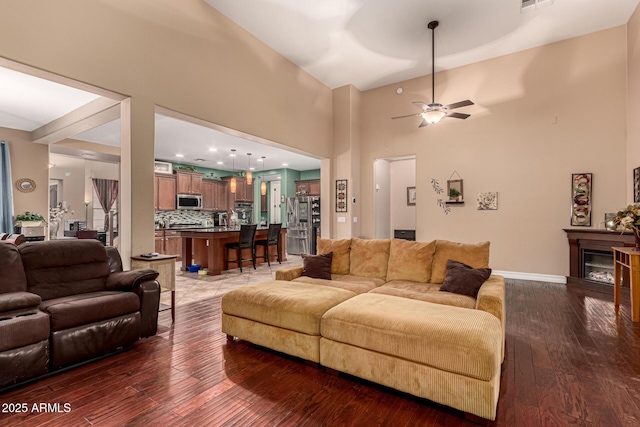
232 184
263 184
249 174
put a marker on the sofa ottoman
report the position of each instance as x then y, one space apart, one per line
446 354
280 315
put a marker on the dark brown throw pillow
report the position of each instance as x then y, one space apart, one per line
464 280
317 266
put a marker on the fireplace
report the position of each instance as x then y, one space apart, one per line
591 256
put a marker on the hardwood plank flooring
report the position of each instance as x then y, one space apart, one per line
570 360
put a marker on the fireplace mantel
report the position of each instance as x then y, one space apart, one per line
591 239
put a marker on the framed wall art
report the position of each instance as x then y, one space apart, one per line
411 196
581 199
488 201
341 195
25 185
636 185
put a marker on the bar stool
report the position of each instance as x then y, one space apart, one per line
246 241
273 239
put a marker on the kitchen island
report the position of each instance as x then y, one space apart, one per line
206 246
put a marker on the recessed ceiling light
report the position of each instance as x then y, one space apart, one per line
261 160
212 149
285 164
219 163
252 168
179 155
399 91
232 155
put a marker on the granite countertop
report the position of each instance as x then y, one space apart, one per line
217 229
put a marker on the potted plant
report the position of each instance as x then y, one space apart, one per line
454 194
29 219
630 219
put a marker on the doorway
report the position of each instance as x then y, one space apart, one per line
275 205
393 179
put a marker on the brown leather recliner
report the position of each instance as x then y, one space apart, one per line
24 329
77 287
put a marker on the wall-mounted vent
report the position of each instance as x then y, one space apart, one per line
529 5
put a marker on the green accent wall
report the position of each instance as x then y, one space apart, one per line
310 174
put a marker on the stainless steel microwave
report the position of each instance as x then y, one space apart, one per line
189 201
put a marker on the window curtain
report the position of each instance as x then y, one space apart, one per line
6 195
107 191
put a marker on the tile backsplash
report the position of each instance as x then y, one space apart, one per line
182 217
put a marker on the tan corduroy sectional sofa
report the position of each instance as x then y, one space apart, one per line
382 317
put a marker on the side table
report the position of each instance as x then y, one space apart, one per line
627 264
165 265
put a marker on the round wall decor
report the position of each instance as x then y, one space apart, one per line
25 185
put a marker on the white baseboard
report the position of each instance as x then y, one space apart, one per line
531 276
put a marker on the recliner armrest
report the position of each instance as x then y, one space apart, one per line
122 280
149 294
12 301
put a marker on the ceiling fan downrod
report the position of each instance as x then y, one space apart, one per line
432 26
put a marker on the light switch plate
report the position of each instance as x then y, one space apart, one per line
342 219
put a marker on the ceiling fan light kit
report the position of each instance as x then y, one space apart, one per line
433 116
434 112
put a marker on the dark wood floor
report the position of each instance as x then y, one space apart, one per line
570 361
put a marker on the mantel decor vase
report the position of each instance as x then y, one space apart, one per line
54 226
636 233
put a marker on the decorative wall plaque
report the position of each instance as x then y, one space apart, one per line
341 195
25 185
581 199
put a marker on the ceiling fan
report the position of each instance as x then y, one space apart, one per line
434 112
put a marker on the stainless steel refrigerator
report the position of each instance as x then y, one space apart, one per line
303 224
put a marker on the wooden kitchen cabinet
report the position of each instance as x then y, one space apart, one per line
164 195
264 207
308 187
208 195
159 242
314 187
221 202
173 243
168 242
244 191
214 195
189 182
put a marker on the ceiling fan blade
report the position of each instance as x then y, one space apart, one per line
423 123
459 104
408 115
457 115
421 105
